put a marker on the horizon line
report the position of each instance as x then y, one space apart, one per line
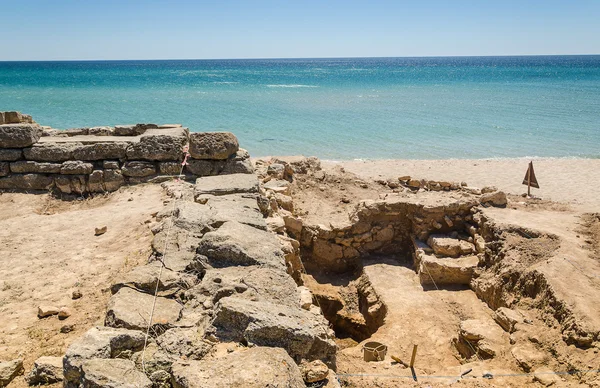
298 58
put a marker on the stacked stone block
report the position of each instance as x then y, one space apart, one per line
102 159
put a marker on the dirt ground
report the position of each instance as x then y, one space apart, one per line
48 248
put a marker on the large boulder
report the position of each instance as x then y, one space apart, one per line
213 145
46 370
131 309
226 184
26 182
98 342
302 334
256 367
238 244
19 135
9 370
112 373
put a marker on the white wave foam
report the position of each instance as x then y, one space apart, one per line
291 86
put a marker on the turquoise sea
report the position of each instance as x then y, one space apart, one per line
411 108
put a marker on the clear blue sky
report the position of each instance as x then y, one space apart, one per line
180 29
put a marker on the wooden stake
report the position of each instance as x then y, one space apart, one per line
414 356
529 180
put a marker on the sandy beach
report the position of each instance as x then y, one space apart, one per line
567 180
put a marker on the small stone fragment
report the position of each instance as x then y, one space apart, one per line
100 231
46 370
76 294
46 311
314 371
64 313
9 370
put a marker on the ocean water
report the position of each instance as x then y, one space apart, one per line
413 108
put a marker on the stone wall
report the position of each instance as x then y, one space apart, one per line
102 159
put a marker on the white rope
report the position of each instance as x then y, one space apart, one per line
162 262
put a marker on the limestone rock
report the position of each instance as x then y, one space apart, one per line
25 167
160 145
46 311
138 169
64 313
238 244
314 371
306 297
237 164
113 179
257 367
497 199
488 189
213 145
275 224
75 167
110 165
4 169
145 277
14 117
71 184
249 283
131 130
445 246
46 370
100 151
130 309
102 131
216 211
9 370
19 135
98 342
112 373
226 184
447 271
96 182
302 334
483 335
50 152
508 318
528 356
26 182
184 342
10 155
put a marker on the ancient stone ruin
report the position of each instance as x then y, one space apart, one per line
240 290
102 159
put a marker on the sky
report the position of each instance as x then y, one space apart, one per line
219 29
